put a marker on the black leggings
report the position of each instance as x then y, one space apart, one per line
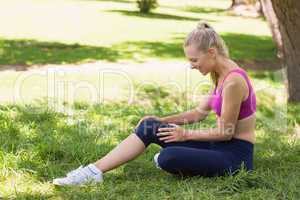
197 157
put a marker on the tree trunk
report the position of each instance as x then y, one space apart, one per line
269 14
238 3
288 15
242 2
246 8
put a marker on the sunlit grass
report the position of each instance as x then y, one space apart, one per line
111 24
104 82
75 32
38 143
55 120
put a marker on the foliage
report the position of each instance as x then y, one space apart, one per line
146 6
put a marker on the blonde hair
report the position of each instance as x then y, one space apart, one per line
205 37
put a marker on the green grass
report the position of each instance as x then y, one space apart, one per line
94 30
113 31
32 52
42 138
38 143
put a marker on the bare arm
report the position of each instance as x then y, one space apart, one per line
233 94
195 115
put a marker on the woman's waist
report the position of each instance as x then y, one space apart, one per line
249 137
236 146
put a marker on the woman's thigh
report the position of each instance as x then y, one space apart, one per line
194 161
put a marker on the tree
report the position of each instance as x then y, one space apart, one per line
247 8
270 15
287 13
242 2
146 6
239 2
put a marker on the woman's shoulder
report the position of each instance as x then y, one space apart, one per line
235 82
236 76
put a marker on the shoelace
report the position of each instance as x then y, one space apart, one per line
78 176
74 171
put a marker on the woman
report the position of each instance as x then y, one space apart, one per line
213 152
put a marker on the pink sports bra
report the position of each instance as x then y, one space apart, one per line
248 106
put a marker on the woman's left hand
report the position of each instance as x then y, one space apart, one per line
172 134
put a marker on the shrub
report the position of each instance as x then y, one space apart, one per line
146 5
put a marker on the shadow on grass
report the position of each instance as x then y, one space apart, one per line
41 141
278 147
248 48
44 142
30 52
156 15
277 158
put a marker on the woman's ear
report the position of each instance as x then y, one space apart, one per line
212 52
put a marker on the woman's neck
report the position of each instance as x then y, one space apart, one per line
223 66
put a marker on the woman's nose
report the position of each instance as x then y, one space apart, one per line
188 65
192 66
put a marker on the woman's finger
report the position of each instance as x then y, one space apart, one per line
166 129
175 125
166 138
171 140
164 133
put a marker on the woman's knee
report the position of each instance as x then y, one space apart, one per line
148 125
147 128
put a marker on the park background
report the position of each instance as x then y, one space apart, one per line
76 76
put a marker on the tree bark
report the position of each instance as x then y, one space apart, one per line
246 8
288 15
238 2
242 2
270 15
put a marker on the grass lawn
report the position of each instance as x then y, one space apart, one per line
38 144
68 43
112 31
81 31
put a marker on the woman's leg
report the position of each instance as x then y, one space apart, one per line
147 132
130 147
135 144
189 157
191 161
127 150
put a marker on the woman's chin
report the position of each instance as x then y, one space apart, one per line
203 73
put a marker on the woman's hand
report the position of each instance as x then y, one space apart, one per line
172 134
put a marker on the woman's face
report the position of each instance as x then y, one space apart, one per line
202 61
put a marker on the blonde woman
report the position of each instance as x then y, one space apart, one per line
211 152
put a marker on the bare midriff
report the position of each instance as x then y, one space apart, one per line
245 128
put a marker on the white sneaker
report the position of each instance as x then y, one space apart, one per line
155 158
80 176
